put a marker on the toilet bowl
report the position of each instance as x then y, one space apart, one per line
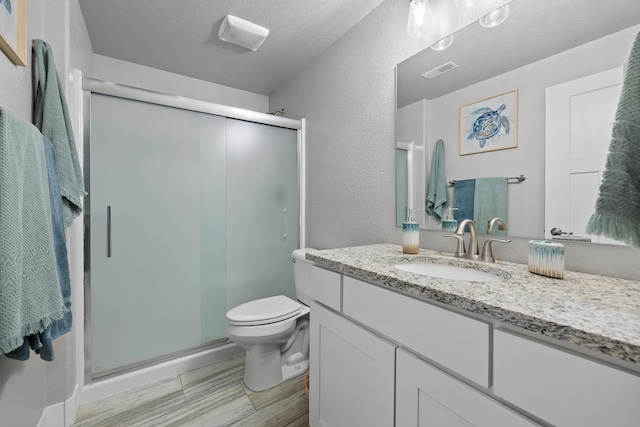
274 331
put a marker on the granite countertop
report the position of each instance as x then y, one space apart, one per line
594 312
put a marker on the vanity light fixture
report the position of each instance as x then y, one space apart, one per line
419 23
495 18
241 32
443 44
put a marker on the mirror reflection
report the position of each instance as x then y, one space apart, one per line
541 52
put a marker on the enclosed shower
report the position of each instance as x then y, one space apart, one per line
193 208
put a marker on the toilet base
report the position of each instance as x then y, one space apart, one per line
292 371
263 367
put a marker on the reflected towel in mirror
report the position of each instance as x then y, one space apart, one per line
463 199
490 201
438 191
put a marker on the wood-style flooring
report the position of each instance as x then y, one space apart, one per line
211 396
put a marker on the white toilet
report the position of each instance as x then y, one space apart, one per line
275 332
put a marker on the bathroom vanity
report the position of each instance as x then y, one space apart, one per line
391 347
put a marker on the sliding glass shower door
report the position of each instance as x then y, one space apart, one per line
262 214
190 215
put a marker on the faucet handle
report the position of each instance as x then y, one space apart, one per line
487 251
460 248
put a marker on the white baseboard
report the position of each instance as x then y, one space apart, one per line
52 416
61 414
71 407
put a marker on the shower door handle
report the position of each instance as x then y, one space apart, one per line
108 231
284 223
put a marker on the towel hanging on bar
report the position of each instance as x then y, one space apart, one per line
30 293
51 116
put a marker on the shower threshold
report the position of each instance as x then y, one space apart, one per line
121 370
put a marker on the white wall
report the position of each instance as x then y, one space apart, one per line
130 74
347 96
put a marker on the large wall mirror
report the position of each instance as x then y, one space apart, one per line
541 52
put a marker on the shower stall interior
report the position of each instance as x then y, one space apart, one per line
190 212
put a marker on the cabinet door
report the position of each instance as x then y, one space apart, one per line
352 374
427 397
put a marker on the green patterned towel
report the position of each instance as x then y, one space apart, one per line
52 118
617 212
30 296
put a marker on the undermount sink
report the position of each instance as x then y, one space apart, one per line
449 272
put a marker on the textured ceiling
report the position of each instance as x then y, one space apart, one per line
182 36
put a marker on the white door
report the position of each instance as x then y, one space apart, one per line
579 115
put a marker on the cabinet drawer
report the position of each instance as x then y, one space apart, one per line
562 388
325 287
452 340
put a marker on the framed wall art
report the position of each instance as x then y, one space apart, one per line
13 30
489 124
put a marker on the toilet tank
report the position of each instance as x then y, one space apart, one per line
301 271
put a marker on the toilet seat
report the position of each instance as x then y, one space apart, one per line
264 311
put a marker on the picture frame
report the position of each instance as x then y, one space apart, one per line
489 124
13 30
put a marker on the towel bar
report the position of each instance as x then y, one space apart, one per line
518 179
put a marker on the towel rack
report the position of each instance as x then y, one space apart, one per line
514 180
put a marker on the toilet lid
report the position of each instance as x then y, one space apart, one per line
263 311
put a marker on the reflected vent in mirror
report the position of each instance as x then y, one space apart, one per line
447 66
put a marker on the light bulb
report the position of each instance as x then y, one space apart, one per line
419 23
465 4
495 18
443 44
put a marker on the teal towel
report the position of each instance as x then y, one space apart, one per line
617 213
463 196
51 116
30 295
42 343
438 192
490 201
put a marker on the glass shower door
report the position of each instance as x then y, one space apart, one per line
145 210
262 210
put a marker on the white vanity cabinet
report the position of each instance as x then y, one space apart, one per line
426 397
352 374
383 358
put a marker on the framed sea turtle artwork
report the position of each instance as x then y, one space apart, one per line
13 24
489 124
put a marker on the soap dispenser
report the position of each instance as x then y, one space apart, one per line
450 224
410 235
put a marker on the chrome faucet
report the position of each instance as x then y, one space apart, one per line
461 251
487 252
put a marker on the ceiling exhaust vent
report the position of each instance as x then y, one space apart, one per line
447 66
